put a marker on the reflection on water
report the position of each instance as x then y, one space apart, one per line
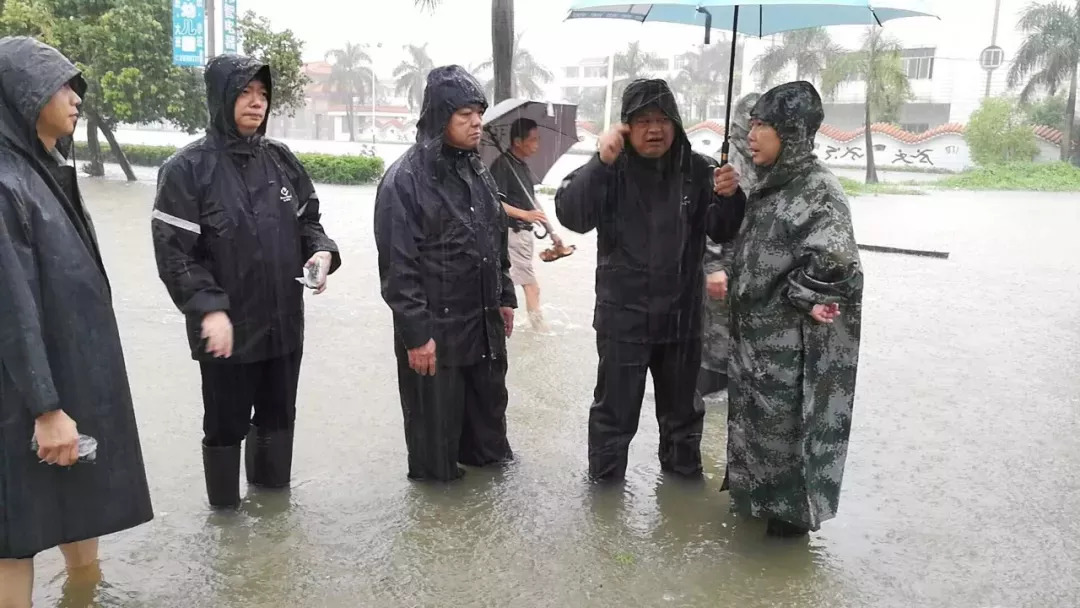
961 488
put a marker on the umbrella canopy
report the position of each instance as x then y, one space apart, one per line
557 124
761 18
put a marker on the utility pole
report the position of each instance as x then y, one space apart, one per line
993 43
610 91
211 29
374 95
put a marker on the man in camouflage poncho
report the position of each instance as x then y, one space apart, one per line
796 307
718 257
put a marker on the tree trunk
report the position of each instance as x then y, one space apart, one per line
502 47
1070 116
350 116
114 145
95 164
871 167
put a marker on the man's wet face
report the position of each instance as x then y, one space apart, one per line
59 117
651 133
765 144
464 129
251 106
524 147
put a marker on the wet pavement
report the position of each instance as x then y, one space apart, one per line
962 486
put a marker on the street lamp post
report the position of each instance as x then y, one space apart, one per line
374 95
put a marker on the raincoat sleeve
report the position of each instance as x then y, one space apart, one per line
398 232
828 269
582 195
22 346
718 256
312 235
508 298
725 216
176 232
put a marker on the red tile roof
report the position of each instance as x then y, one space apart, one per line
1048 134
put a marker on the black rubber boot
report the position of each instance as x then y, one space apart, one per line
782 529
268 457
221 466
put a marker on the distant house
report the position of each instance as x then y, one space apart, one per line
324 115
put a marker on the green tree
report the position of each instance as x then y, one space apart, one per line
412 74
998 132
809 50
1049 111
1049 56
878 66
283 52
502 43
28 18
351 77
703 78
528 74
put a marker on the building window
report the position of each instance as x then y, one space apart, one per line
571 71
571 93
596 71
992 58
918 63
663 65
681 61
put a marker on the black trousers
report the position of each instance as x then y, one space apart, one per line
616 409
232 390
457 415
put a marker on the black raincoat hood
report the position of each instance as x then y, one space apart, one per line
642 94
796 112
449 88
226 76
31 72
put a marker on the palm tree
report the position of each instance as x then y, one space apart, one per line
502 44
878 65
528 74
809 50
350 77
634 63
703 77
1049 55
412 73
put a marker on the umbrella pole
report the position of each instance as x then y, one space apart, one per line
730 88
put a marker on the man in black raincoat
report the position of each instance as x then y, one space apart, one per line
61 362
445 271
651 206
235 221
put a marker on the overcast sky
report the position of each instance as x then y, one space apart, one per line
460 31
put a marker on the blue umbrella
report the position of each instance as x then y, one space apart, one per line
761 18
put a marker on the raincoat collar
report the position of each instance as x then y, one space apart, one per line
31 72
225 77
796 112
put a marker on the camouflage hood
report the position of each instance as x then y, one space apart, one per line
796 112
740 134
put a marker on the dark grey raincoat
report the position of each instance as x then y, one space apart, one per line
445 270
59 344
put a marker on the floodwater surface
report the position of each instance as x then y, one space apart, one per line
962 487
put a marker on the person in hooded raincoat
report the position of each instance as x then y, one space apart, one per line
796 302
235 223
718 258
651 206
62 367
445 270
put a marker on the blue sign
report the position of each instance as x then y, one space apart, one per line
189 33
228 29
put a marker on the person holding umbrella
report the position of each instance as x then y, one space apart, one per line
515 182
651 200
445 270
63 383
796 301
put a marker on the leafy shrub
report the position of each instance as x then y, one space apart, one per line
998 132
1044 177
323 168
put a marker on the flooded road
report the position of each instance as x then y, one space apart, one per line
962 487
